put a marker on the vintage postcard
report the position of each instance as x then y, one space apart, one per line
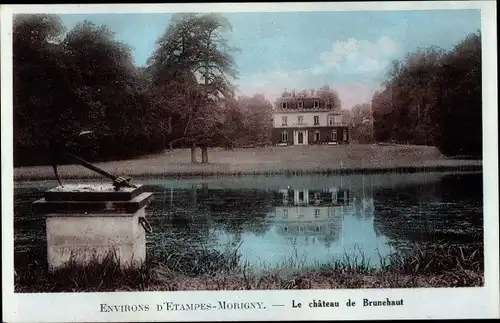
226 162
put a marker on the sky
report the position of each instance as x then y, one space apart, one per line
349 51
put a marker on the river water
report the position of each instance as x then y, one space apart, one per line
297 221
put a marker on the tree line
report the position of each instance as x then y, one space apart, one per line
434 97
84 79
360 121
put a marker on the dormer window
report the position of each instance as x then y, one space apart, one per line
300 105
328 102
284 105
316 104
300 119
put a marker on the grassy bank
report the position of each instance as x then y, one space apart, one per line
422 266
270 160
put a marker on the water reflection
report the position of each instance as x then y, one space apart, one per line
292 226
450 209
295 221
316 214
320 226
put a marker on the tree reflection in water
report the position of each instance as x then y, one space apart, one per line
190 218
274 217
449 209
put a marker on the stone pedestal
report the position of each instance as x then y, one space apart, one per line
88 222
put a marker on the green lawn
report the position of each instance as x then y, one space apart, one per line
267 160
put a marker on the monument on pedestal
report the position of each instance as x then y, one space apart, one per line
89 222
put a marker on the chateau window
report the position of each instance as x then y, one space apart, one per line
316 104
300 119
317 196
284 136
283 121
316 120
316 136
334 135
331 120
317 213
283 105
300 105
345 134
285 214
328 102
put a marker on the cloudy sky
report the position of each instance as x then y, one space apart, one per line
350 51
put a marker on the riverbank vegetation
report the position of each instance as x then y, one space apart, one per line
435 265
185 98
294 160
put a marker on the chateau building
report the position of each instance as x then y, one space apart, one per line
307 118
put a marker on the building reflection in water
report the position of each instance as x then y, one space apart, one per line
310 215
328 215
315 225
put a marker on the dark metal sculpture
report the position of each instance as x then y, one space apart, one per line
58 147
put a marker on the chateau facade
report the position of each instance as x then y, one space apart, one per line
307 118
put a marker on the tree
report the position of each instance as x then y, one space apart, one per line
362 123
361 112
413 90
194 54
431 97
83 79
40 90
459 116
256 113
233 127
328 93
383 116
107 88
